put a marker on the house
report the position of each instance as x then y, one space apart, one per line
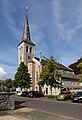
26 51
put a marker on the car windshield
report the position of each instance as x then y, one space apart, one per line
78 93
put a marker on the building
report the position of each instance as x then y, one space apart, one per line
26 50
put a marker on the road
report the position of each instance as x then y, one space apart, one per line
65 108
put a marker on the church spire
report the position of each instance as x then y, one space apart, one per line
26 32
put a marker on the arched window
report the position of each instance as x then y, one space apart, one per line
26 48
30 49
37 75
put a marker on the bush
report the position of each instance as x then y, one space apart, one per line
50 96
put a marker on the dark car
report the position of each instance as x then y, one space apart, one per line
24 93
77 97
33 94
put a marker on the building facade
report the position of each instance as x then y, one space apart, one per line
26 51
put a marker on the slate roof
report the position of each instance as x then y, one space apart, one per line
26 33
43 62
60 66
70 76
29 42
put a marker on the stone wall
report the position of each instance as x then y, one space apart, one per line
7 101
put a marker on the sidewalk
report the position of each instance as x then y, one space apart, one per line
30 114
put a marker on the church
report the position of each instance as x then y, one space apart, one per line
26 51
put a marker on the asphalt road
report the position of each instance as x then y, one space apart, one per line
64 108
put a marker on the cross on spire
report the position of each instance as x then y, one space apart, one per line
26 10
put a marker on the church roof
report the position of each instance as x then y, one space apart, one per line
60 66
26 33
43 62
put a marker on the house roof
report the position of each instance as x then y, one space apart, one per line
62 67
70 76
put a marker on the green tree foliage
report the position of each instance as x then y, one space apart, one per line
49 75
9 84
22 77
75 67
80 67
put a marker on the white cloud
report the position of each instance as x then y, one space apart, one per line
8 54
8 71
8 10
67 21
38 37
2 71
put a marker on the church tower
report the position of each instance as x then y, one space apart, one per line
26 46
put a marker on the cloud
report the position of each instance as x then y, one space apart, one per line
2 71
8 54
9 13
8 70
67 21
38 38
8 61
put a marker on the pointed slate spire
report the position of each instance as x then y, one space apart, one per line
26 32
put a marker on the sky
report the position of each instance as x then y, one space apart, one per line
55 28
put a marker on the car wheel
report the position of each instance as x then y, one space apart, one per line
64 98
79 100
72 100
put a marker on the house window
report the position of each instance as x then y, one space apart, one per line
30 50
26 48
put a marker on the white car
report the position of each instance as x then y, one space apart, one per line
19 93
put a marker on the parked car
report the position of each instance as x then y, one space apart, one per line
19 93
77 97
22 93
65 95
33 94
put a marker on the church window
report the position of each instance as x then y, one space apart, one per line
30 49
29 57
20 58
37 76
26 48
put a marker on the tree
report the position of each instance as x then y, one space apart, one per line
80 67
49 75
9 84
22 77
